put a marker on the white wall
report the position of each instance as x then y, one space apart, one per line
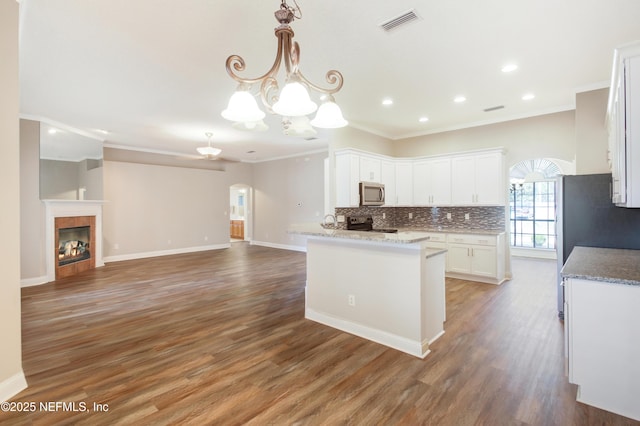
285 192
11 375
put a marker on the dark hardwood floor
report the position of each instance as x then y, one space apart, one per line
220 338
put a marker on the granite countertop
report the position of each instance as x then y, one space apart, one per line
618 266
401 237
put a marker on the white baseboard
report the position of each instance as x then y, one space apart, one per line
12 386
279 246
477 278
30 282
535 253
411 347
148 254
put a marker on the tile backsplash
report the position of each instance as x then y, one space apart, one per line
486 218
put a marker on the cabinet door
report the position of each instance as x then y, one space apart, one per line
489 188
440 182
463 180
388 178
483 261
404 184
616 150
369 169
421 183
347 178
459 259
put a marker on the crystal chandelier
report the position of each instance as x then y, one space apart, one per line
293 100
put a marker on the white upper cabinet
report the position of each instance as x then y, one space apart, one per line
404 183
388 178
347 178
478 179
370 170
623 116
432 182
465 179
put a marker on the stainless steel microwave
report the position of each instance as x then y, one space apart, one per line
371 194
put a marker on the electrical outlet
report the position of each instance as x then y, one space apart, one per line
466 216
384 215
351 299
340 218
410 215
449 216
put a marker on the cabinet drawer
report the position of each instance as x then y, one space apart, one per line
483 240
437 237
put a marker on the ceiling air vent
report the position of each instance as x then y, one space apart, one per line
398 21
493 108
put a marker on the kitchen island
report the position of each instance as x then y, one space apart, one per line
385 287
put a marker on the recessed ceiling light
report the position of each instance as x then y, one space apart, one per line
509 68
53 131
387 102
528 96
459 99
423 119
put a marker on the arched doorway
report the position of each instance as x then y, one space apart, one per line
240 213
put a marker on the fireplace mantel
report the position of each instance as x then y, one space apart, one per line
70 208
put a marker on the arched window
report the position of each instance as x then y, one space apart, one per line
532 204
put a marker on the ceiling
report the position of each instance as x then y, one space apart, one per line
152 72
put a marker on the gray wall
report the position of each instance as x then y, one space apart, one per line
11 376
32 211
153 208
287 191
591 132
545 136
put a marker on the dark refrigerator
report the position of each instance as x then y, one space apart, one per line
585 216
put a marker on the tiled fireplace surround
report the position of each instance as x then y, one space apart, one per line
485 218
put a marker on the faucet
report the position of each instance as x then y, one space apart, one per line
329 216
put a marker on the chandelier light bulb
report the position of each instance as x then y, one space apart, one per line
294 101
243 108
329 116
251 126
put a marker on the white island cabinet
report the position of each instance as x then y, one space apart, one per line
602 327
388 288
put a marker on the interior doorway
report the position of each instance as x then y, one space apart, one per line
240 213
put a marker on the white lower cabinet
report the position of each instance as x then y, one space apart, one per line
476 257
438 241
602 335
